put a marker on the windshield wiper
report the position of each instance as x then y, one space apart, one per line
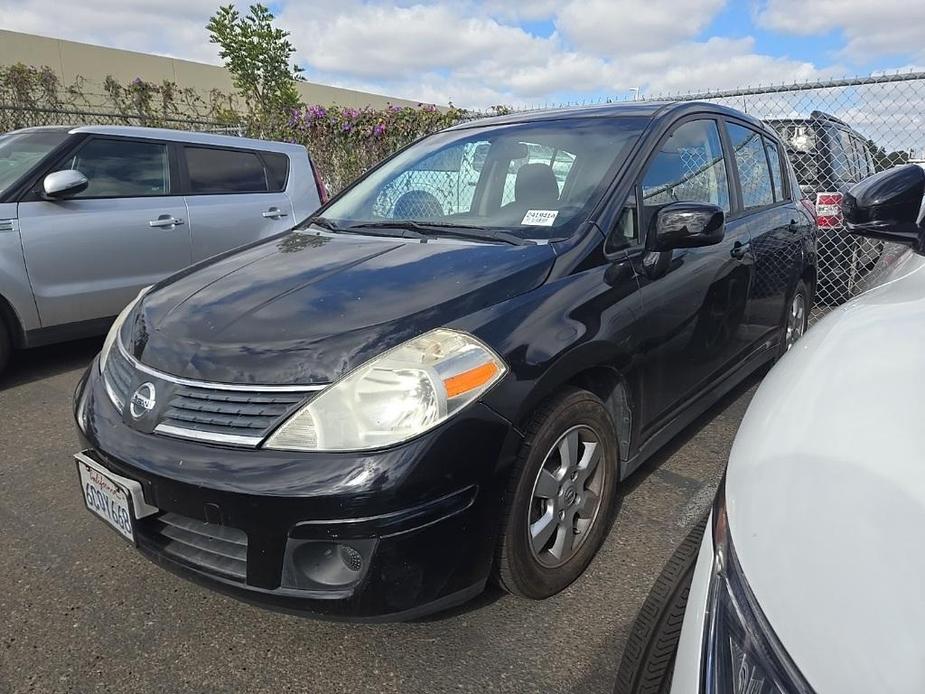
328 224
448 228
322 222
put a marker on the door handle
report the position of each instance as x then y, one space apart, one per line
274 213
739 250
165 220
793 227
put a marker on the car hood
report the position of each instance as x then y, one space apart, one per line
826 492
305 308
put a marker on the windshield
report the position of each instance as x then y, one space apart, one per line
20 151
536 180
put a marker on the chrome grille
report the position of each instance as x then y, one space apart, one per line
119 375
211 412
242 416
216 549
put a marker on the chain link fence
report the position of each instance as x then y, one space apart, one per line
838 132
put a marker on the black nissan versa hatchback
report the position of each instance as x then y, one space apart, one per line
443 376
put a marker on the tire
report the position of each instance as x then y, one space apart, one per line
6 346
649 655
533 569
800 291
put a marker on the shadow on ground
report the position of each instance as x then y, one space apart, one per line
30 365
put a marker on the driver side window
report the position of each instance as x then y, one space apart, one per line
687 167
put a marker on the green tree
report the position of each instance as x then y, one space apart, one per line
258 55
884 160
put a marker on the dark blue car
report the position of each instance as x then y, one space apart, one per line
442 377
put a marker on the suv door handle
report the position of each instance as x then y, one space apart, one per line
274 213
165 220
793 227
739 250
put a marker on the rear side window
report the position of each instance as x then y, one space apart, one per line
224 171
843 161
861 153
122 168
777 178
752 163
277 170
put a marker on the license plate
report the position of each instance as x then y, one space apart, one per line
107 499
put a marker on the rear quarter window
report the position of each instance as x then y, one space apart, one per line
214 171
277 170
842 157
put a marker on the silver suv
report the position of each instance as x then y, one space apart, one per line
90 215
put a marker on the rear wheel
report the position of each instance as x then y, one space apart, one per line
6 345
561 498
796 320
649 655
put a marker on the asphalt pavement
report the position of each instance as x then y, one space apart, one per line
80 611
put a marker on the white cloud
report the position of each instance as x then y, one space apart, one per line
885 27
623 27
378 41
167 27
476 53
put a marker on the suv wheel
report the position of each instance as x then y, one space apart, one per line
649 655
561 499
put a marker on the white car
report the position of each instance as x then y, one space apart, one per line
811 573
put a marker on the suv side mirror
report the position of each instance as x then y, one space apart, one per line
886 206
62 184
687 225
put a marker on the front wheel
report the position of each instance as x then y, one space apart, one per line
561 498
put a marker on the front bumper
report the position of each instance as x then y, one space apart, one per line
688 674
419 519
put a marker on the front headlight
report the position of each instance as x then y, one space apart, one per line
396 396
743 655
117 326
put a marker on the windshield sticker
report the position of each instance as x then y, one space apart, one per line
540 218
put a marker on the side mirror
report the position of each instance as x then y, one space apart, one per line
62 184
886 206
687 225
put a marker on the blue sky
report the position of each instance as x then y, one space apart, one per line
483 52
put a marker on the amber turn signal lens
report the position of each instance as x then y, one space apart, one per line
469 380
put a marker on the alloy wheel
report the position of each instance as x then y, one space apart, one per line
796 320
566 498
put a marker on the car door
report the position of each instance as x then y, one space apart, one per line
89 254
775 225
694 299
233 198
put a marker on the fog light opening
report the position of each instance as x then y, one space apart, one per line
315 564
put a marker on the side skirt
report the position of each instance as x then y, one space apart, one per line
66 332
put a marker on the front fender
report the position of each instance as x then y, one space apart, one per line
551 336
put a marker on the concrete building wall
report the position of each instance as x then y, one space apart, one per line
70 60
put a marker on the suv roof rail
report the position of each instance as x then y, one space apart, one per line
822 115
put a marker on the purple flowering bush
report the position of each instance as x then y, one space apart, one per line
345 142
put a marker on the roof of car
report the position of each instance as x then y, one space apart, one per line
644 109
173 135
814 117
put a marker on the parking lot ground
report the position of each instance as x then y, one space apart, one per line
80 611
